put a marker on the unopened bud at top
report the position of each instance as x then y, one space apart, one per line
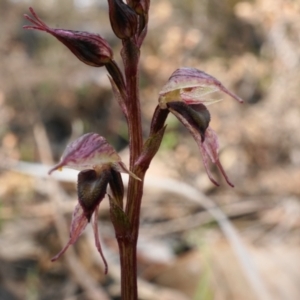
90 48
123 19
141 7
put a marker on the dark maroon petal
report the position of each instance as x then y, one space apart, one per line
196 115
117 187
91 189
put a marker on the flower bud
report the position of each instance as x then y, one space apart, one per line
90 48
141 7
123 19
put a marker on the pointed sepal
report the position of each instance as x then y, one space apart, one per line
90 48
78 224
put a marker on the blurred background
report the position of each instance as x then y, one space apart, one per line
48 97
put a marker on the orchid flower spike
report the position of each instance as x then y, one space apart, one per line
186 96
90 48
99 166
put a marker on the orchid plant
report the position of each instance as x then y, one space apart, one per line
185 95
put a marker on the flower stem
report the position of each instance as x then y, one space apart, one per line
127 244
128 269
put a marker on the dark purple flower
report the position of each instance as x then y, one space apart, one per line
99 165
185 95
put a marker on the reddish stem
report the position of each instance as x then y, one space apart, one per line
127 244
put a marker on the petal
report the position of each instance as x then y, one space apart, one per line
191 85
91 151
197 115
78 224
97 239
91 189
117 187
197 95
211 144
87 152
209 148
